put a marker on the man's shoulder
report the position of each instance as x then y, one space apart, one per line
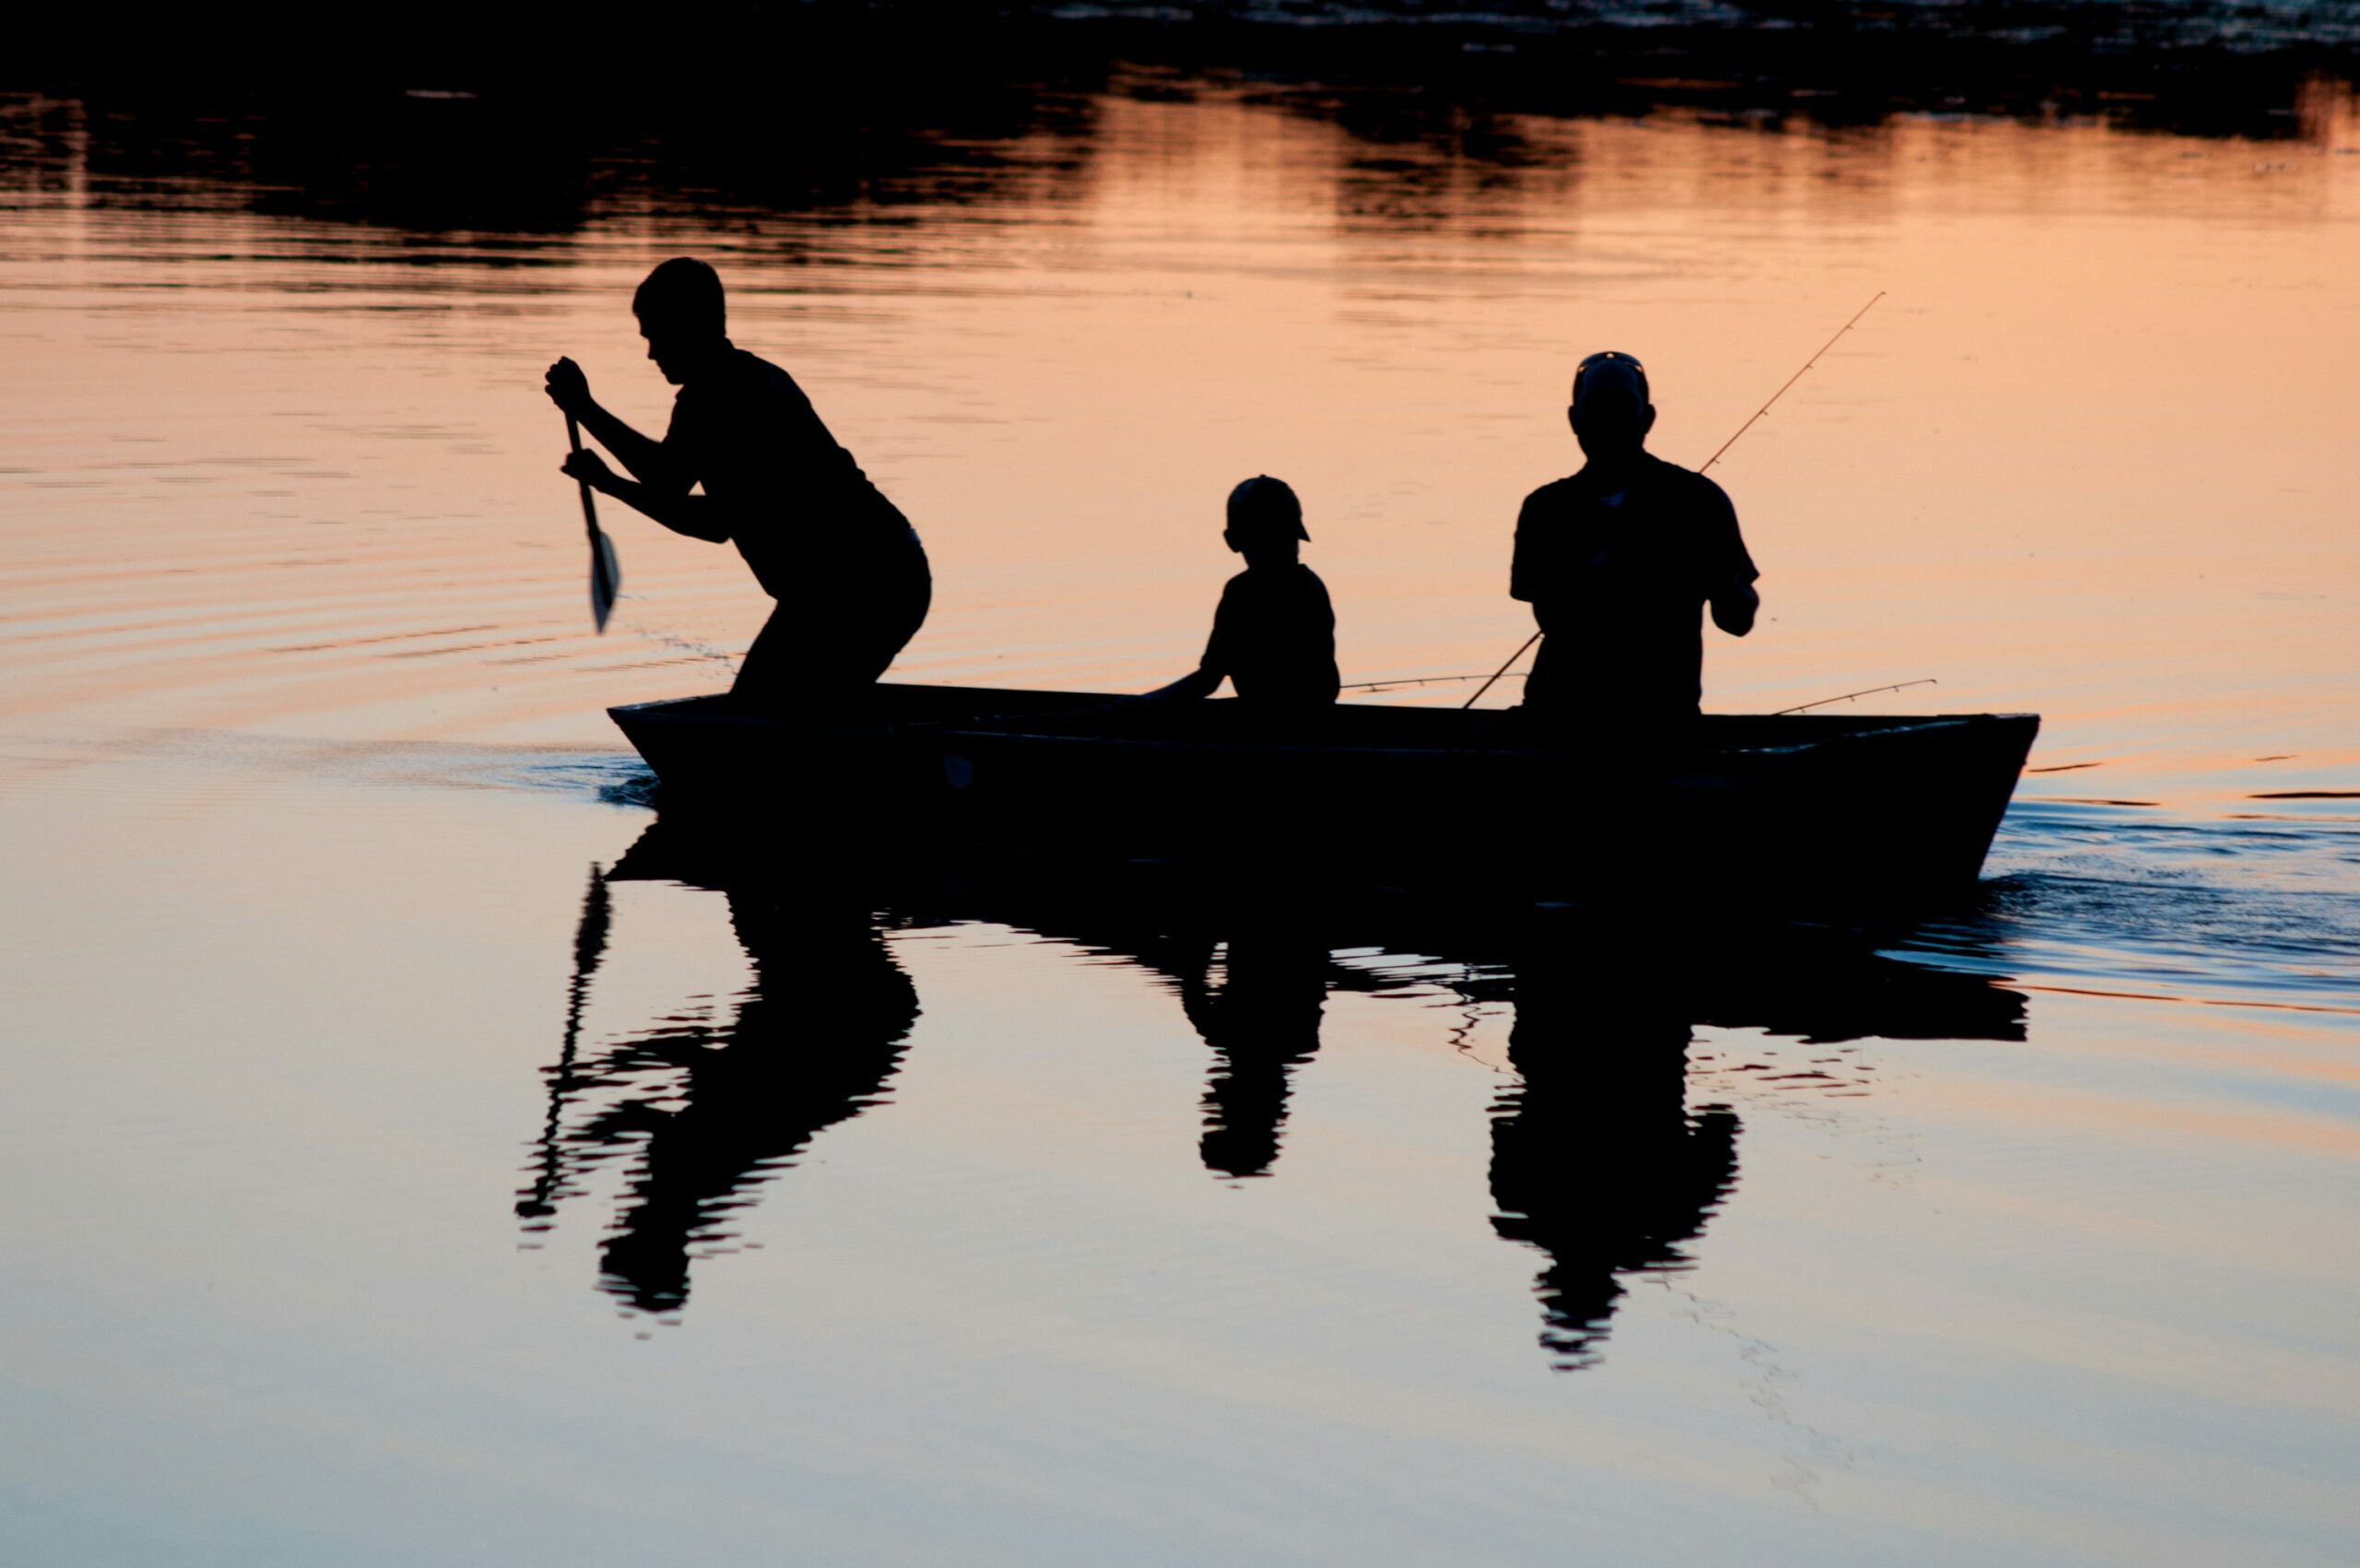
742 379
1555 494
752 370
1686 483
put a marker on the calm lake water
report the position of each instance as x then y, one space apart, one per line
391 1185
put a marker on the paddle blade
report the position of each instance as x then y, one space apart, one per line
605 578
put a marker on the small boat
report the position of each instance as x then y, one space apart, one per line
1800 812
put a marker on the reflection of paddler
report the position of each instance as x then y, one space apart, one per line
814 1041
713 1111
845 565
1595 1159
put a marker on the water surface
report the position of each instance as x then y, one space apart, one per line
414 1164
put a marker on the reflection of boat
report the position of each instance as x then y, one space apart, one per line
1793 809
1598 1161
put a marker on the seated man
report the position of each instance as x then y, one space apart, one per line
843 564
1619 561
1274 635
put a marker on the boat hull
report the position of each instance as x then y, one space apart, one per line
1802 811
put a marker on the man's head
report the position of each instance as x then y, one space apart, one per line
682 315
1610 413
1264 521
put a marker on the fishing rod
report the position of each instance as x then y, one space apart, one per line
1824 701
1748 424
1406 681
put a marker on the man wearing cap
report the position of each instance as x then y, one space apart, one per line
844 566
1619 561
1274 635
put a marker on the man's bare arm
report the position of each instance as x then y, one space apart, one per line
695 515
570 390
644 457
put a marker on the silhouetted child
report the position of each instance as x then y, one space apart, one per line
1274 635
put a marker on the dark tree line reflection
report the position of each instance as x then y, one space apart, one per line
853 114
1598 1161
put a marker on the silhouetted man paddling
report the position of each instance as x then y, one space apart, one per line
845 565
1619 561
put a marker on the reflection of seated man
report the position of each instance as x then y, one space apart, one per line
815 1041
1595 1159
1619 561
845 565
1274 635
1263 1023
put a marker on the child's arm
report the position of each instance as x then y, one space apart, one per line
1206 679
1199 682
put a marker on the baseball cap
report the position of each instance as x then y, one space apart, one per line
1611 367
1263 504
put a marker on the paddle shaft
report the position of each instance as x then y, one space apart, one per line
606 577
1748 424
589 506
589 946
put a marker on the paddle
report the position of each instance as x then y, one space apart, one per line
606 575
589 946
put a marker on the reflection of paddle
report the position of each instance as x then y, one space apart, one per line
605 576
536 1205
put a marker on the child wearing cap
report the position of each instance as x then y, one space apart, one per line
1274 635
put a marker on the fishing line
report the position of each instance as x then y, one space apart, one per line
639 625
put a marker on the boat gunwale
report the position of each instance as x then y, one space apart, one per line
1871 729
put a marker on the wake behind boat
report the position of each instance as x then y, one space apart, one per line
1800 812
